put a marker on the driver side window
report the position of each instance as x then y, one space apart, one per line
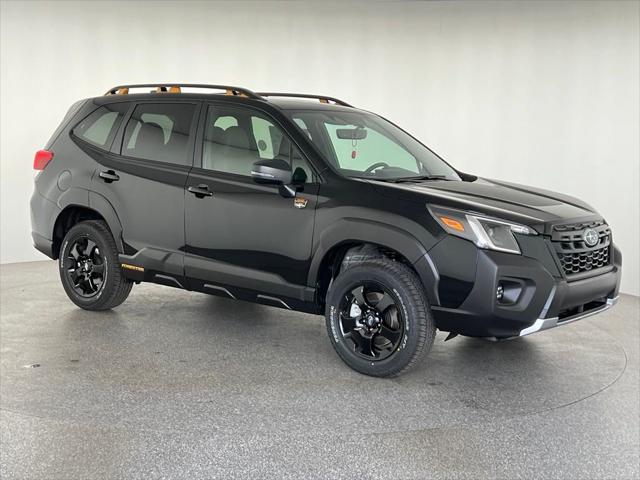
236 138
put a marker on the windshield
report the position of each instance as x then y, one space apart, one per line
363 145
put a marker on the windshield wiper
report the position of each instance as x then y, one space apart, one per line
417 178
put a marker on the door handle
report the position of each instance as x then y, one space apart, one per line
109 176
200 191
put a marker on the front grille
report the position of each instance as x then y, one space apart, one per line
578 226
574 255
584 261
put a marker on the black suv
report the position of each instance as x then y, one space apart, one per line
307 203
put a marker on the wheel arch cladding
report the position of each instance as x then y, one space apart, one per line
73 213
100 204
348 233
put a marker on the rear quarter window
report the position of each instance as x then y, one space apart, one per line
100 126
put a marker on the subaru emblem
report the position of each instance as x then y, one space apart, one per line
590 237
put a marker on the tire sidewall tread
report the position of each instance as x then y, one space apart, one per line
116 287
408 291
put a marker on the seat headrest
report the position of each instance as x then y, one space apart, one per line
236 137
216 135
149 136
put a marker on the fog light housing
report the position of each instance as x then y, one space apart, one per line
509 291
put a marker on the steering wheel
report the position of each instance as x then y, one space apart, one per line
371 168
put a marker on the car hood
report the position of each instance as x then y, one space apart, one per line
540 209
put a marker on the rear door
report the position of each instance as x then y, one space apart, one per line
240 235
144 178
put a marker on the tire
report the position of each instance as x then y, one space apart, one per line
413 330
87 249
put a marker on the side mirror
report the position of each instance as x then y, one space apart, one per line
275 172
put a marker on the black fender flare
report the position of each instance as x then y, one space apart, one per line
355 230
100 204
80 197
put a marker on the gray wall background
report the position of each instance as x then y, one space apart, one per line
541 93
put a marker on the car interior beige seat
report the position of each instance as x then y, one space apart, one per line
237 155
213 145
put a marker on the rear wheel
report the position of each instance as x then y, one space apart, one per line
378 318
89 267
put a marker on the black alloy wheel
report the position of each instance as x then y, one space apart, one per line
89 267
371 321
378 317
85 267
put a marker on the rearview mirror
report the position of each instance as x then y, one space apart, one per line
275 172
357 133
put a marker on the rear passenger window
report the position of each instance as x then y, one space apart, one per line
99 127
159 131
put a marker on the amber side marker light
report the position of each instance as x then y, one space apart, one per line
451 223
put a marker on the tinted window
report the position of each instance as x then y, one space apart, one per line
101 125
374 148
159 131
235 139
303 127
360 144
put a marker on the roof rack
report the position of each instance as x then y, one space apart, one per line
229 90
322 98
177 88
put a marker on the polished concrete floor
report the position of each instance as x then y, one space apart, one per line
181 385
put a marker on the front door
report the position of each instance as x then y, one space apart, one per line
246 240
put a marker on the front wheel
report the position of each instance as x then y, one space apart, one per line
378 318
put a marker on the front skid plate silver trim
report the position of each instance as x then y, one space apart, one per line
546 323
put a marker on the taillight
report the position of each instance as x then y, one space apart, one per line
41 159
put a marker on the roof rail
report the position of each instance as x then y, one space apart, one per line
322 98
176 88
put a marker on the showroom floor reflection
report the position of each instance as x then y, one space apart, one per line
179 363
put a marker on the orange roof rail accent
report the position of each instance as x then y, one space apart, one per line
230 90
235 92
173 87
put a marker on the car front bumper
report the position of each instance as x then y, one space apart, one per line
534 299
546 323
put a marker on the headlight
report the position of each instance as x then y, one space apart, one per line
485 232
